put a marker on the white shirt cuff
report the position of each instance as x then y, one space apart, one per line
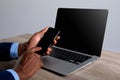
15 75
14 50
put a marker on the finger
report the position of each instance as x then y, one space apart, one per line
49 50
42 31
35 49
55 40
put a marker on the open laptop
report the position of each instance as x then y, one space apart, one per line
82 34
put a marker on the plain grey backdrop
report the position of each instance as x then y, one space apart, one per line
29 16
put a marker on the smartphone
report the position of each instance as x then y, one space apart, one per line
47 40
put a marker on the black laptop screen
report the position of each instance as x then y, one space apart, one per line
82 30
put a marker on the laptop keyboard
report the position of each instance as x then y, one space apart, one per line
69 56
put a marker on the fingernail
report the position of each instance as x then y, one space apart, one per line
39 47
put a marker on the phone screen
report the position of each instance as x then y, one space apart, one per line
47 40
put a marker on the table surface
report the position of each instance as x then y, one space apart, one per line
107 67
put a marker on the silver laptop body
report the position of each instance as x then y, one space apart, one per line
63 67
80 49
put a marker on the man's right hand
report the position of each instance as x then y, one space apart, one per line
30 62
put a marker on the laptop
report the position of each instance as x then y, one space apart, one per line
82 34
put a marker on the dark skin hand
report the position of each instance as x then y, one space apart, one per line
31 62
33 41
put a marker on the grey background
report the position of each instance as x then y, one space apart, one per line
29 16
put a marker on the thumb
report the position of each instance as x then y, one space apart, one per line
43 31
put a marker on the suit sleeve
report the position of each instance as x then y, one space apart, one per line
6 75
8 51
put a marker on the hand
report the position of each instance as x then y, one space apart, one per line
33 41
30 62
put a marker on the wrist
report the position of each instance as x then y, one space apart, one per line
22 48
20 72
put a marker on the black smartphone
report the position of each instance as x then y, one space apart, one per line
47 40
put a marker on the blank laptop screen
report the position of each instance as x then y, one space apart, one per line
82 30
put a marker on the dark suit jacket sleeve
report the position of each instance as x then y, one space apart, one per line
5 51
5 56
5 75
